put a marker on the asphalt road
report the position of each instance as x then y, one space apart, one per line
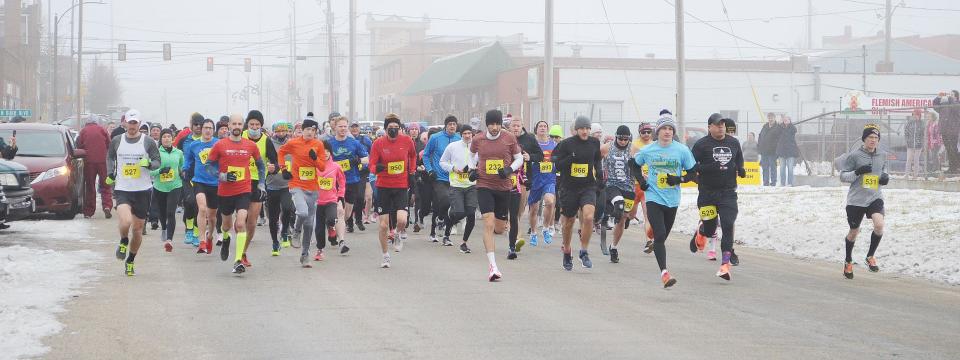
435 303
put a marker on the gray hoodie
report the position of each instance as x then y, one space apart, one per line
859 194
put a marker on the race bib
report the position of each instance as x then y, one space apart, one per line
396 167
308 173
645 170
708 212
462 177
325 183
494 166
239 171
628 205
514 179
871 182
167 176
204 154
131 171
344 165
579 170
662 181
546 167
289 165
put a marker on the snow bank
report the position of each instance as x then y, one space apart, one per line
35 283
920 239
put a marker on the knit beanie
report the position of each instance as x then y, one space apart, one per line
582 122
870 129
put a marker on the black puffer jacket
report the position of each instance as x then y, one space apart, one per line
769 137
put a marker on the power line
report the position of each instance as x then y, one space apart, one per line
606 23
732 34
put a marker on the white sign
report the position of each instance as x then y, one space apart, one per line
855 102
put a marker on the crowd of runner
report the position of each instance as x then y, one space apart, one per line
320 181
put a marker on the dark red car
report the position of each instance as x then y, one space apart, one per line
54 163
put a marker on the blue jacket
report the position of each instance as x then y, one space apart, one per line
431 154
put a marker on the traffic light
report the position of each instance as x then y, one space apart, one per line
166 51
122 52
210 63
247 64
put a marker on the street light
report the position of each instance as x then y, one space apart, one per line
56 55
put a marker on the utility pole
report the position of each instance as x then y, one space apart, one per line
80 63
809 24
864 48
54 101
681 71
353 61
887 65
548 65
332 92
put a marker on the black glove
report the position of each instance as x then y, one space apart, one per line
164 169
381 168
673 180
643 184
504 173
863 170
411 181
355 163
466 168
527 183
741 172
432 175
286 174
230 176
884 179
313 154
474 175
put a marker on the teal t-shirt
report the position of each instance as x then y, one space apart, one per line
660 161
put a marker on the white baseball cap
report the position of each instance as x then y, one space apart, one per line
132 115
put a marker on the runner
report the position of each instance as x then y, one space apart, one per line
719 163
532 156
167 187
666 159
619 190
332 188
646 138
579 161
302 176
438 176
499 155
280 209
459 163
253 131
364 175
543 186
231 158
865 170
393 157
131 155
556 134
204 184
349 155
183 140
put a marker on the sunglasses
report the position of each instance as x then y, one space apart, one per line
623 138
646 132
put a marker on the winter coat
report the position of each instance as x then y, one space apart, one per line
769 137
750 151
94 140
787 145
913 134
949 118
934 141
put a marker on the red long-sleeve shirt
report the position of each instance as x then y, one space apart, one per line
400 158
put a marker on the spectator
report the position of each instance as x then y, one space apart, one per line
934 143
8 151
949 129
767 146
750 148
118 130
94 139
913 135
155 132
787 151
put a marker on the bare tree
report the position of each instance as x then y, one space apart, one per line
103 89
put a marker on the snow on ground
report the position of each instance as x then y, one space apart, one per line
921 237
36 282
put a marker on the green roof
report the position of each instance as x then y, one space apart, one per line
469 69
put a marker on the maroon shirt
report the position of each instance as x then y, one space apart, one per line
494 154
94 139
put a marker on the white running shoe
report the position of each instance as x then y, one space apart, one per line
385 264
494 274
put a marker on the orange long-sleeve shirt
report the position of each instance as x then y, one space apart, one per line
304 169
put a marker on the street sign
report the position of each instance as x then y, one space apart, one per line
17 112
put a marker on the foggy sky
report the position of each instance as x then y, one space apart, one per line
227 29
